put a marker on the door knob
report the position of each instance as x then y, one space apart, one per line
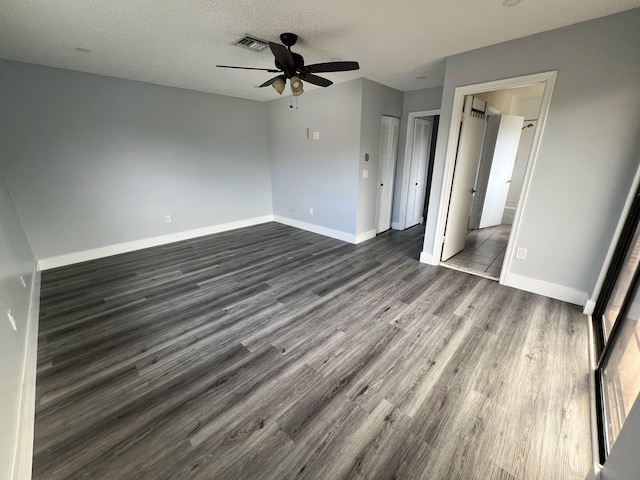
473 190
382 184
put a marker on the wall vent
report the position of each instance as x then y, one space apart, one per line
252 43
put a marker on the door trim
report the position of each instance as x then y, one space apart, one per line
549 79
408 150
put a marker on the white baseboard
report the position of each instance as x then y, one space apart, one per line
396 226
100 252
362 237
310 227
24 443
589 307
427 258
547 289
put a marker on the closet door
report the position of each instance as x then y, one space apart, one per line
389 128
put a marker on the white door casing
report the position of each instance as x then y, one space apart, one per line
464 179
418 171
389 128
432 247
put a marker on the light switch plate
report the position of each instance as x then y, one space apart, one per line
365 173
316 135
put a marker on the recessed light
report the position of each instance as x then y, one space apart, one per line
421 77
511 3
83 50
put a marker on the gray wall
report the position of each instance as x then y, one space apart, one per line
320 174
590 147
377 100
15 259
414 101
93 161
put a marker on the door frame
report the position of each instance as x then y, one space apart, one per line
406 169
549 79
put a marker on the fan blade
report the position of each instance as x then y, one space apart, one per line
250 68
315 79
332 67
269 82
282 54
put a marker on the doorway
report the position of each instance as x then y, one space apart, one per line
495 247
422 130
493 152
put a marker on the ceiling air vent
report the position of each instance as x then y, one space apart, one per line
252 43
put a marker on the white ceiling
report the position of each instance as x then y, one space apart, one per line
179 42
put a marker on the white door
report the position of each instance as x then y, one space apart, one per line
418 171
519 169
504 156
484 169
386 171
464 177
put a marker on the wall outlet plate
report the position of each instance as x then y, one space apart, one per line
521 253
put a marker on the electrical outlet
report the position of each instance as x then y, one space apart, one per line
11 320
23 281
521 253
167 219
316 135
310 211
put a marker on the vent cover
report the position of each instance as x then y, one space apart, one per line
252 43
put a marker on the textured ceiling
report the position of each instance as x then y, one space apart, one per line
179 42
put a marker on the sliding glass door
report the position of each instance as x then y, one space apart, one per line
620 374
617 331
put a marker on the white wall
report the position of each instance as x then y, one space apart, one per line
93 161
499 99
15 259
377 100
414 101
589 150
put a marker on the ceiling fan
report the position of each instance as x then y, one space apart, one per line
291 66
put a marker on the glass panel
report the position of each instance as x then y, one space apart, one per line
620 289
621 373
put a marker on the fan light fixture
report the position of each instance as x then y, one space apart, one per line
278 85
296 86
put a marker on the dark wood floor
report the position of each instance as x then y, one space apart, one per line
273 353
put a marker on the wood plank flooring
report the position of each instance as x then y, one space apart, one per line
273 353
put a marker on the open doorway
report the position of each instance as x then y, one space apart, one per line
494 148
